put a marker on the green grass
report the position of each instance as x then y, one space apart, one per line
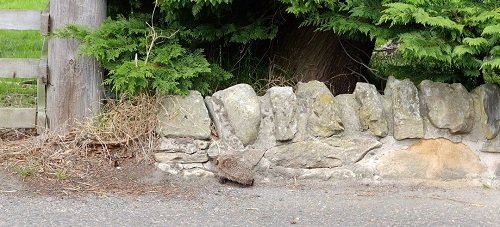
27 170
17 92
20 44
18 86
60 175
23 4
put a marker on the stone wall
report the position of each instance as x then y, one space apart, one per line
433 131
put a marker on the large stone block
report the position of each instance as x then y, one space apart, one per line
184 116
371 113
348 109
403 97
352 149
242 109
284 105
181 157
389 116
432 159
266 138
304 155
487 101
227 138
219 147
187 170
182 145
327 153
317 114
433 132
448 106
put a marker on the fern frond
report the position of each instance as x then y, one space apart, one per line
491 30
491 64
475 42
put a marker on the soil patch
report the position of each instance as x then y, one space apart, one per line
129 178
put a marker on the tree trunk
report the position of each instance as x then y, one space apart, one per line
74 89
314 55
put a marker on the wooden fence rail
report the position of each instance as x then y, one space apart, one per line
26 68
19 68
20 19
18 117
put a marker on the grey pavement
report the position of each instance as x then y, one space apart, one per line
333 204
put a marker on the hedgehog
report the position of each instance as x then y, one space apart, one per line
233 168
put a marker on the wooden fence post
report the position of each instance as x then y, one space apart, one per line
74 89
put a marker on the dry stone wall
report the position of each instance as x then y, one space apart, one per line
429 131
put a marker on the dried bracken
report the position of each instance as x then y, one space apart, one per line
124 129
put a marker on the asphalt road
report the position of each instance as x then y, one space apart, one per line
262 205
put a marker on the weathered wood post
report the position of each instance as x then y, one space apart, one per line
74 89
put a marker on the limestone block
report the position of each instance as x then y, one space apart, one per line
181 157
225 131
242 108
266 138
407 121
371 113
389 116
352 149
219 147
284 105
182 145
185 170
304 155
448 106
317 114
487 101
348 109
190 166
184 116
325 153
432 132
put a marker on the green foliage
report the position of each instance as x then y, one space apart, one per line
199 44
449 40
142 59
179 47
222 20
